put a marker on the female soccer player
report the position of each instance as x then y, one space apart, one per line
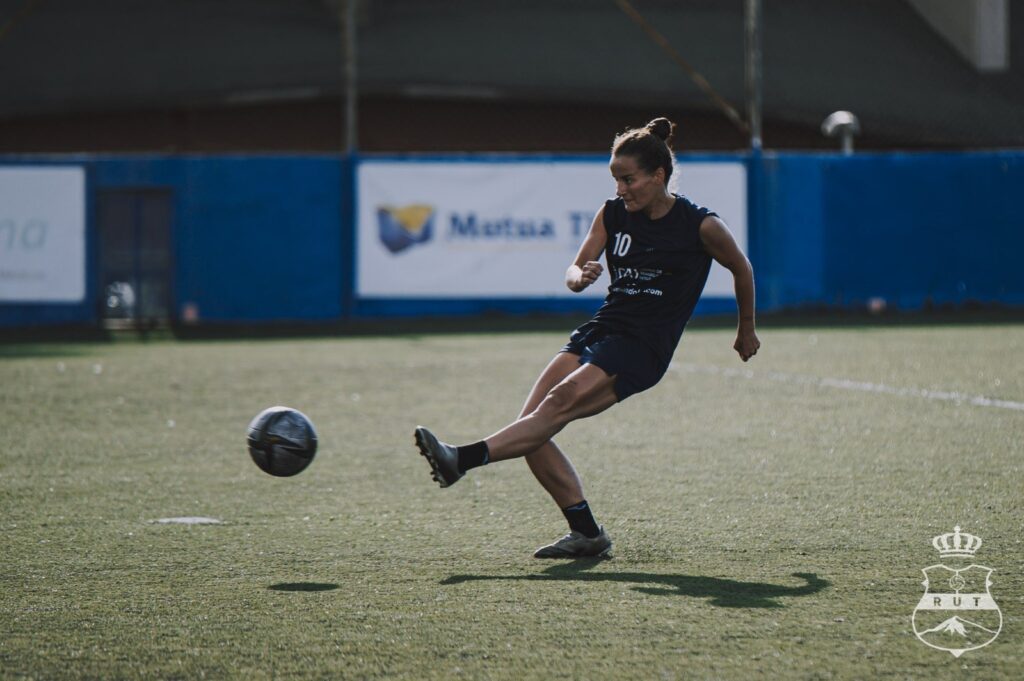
659 247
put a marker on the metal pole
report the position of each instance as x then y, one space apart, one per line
754 19
847 142
348 20
661 41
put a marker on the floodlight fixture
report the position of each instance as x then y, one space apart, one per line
844 125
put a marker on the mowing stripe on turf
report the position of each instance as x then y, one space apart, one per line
847 384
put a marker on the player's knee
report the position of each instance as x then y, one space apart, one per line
558 403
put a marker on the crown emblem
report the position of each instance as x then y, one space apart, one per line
956 544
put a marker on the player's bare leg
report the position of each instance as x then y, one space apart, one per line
552 468
556 474
585 392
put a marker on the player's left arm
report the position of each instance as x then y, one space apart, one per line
721 246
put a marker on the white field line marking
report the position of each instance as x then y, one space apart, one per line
847 384
189 520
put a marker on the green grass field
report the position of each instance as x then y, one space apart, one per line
770 519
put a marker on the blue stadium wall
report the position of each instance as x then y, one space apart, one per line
262 239
912 229
255 239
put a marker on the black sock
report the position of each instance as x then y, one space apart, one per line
581 519
472 456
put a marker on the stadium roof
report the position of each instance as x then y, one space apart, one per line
878 58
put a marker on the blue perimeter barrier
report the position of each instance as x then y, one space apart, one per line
262 239
255 239
911 229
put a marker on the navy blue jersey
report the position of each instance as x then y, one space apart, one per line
658 269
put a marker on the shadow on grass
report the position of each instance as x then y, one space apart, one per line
303 586
726 593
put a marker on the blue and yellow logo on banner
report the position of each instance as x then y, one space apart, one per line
404 226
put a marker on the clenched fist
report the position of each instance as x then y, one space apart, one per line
579 278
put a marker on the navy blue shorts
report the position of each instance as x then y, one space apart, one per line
633 364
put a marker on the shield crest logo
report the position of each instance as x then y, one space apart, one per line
957 612
405 226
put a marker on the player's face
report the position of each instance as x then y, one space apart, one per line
634 185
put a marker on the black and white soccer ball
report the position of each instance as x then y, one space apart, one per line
282 441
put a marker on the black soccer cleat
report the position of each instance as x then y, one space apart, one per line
443 458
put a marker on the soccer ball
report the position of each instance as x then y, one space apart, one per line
282 441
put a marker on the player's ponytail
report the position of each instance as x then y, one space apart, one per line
649 145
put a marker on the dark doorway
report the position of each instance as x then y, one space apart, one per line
136 263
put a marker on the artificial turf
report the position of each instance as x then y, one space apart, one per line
770 519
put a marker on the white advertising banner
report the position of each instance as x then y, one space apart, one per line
503 229
42 234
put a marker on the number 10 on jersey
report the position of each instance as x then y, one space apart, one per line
621 245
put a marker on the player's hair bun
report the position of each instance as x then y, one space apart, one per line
662 128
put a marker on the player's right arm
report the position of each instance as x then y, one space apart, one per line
585 270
